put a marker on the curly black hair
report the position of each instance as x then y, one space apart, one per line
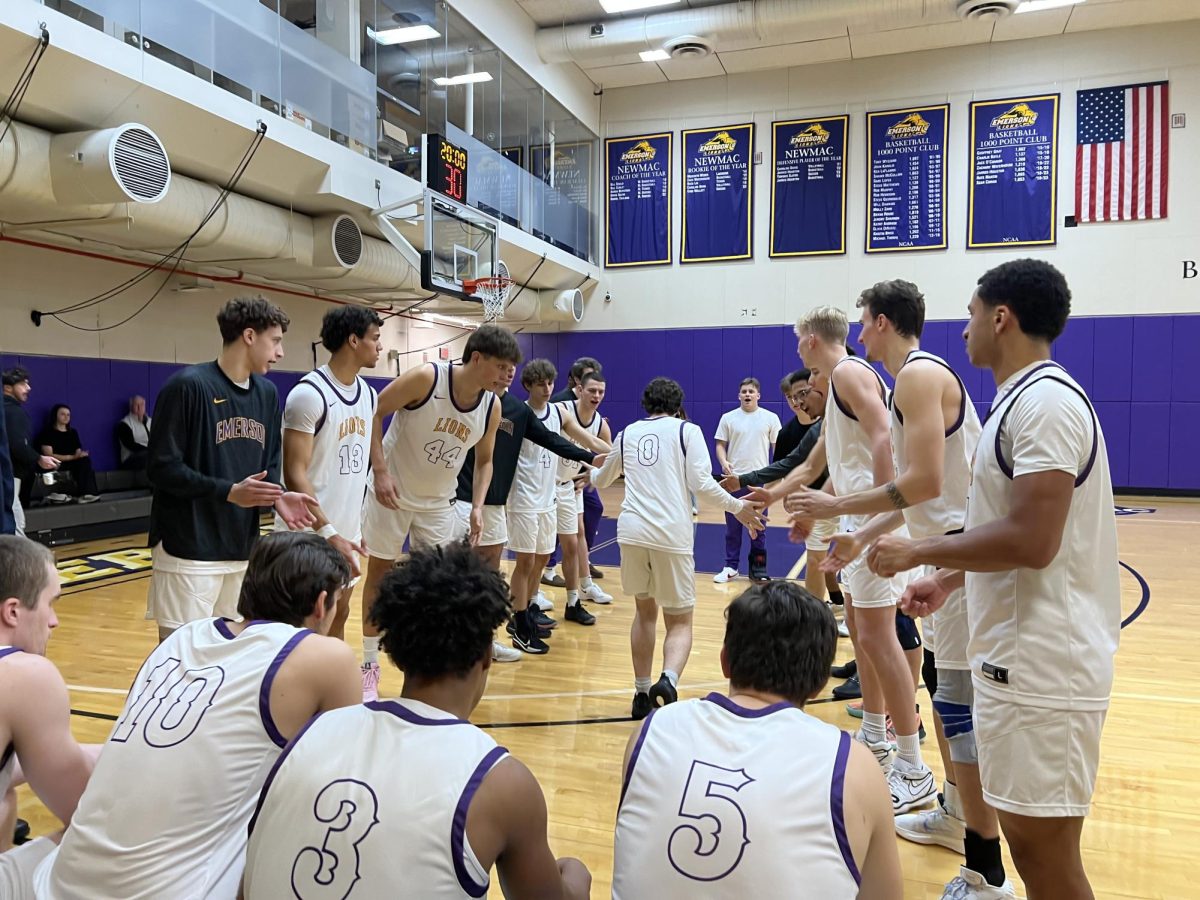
1034 290
241 313
779 639
662 395
900 301
454 589
342 321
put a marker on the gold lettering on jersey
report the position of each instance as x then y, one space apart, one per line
453 427
241 428
353 425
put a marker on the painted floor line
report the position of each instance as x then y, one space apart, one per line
607 693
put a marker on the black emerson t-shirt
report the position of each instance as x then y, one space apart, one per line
208 435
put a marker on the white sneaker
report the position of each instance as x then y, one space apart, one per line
500 653
370 682
725 575
543 602
594 593
937 826
911 786
883 752
843 629
970 885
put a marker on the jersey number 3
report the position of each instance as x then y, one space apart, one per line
348 809
435 451
712 847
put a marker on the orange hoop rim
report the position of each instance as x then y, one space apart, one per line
496 283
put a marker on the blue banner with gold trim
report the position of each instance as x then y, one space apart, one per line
1014 159
906 179
637 189
808 186
718 194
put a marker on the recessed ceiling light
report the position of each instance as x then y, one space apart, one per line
405 35
468 78
620 6
1029 6
654 55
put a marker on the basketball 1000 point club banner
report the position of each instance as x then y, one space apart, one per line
906 179
1014 153
637 188
718 194
808 186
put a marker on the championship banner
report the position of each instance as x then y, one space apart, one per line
571 172
637 189
718 204
808 186
1014 154
906 179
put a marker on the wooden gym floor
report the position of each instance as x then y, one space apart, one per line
566 714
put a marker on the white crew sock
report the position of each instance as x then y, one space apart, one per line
909 748
370 650
874 727
642 685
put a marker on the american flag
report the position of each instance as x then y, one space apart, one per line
1121 153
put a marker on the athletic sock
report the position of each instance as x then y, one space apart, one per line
950 799
642 685
983 856
671 677
572 598
908 746
585 583
836 598
874 727
370 651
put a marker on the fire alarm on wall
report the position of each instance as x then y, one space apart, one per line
443 352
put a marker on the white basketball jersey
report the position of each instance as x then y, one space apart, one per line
569 468
383 813
1046 637
165 812
426 445
851 462
536 476
341 454
8 756
726 802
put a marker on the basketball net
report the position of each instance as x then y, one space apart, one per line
494 294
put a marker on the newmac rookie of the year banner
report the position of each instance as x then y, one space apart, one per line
637 189
1014 161
808 186
718 194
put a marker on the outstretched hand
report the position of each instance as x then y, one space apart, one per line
923 597
293 509
750 515
843 550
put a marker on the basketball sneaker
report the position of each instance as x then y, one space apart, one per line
726 575
970 885
936 826
551 578
758 567
370 682
578 614
641 706
663 692
911 786
500 653
20 833
883 752
594 593
542 620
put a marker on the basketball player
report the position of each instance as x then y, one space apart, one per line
1042 587
571 499
781 803
214 460
36 745
935 431
859 452
166 810
532 508
797 426
420 802
440 412
593 506
662 458
327 437
745 440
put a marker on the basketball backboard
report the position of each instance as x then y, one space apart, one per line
460 245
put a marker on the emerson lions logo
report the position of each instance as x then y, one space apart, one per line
912 125
1019 116
720 142
813 136
639 152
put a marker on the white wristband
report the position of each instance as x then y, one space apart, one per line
327 532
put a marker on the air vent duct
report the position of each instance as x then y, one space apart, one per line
688 46
114 165
337 242
565 306
985 9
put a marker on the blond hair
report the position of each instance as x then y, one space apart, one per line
828 323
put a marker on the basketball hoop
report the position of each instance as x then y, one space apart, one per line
493 292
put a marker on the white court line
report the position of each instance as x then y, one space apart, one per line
88 689
1157 698
794 572
615 691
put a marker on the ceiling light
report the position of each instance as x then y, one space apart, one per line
1038 5
408 35
620 6
468 78
654 55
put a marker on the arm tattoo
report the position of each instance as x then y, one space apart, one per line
895 496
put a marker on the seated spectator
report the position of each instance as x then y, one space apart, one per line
373 799
133 435
60 440
746 795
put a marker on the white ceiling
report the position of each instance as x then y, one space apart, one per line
852 40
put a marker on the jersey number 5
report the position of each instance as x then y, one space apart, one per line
712 847
348 809
170 704
449 457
